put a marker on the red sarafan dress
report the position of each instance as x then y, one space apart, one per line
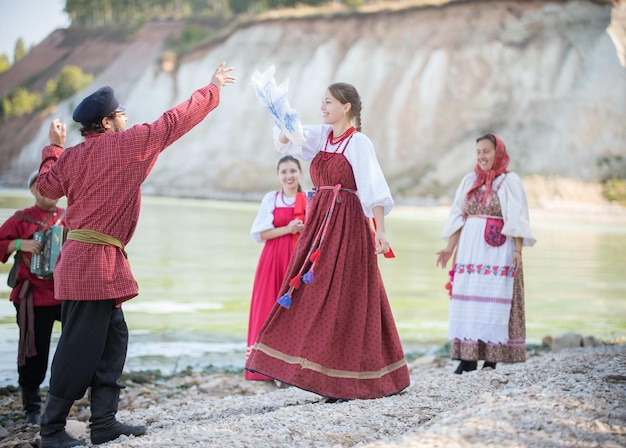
270 273
338 337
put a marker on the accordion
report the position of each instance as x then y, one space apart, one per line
42 264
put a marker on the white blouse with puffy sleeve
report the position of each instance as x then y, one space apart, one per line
513 204
264 218
372 187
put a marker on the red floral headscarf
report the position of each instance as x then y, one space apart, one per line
500 164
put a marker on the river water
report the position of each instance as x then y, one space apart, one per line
194 261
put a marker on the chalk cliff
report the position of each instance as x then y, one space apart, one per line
549 77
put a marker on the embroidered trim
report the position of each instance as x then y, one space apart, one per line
481 299
517 342
484 269
335 373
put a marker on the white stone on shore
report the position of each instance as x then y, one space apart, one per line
573 398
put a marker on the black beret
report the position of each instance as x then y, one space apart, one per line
96 106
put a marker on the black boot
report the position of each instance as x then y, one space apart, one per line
52 431
104 426
489 365
32 405
466 366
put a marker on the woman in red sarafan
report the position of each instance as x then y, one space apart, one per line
278 224
332 331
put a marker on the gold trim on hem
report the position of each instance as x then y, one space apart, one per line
306 364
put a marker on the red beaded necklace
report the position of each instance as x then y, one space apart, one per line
282 199
345 137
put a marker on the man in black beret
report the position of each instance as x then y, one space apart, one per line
90 112
101 178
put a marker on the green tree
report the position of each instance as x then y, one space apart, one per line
70 80
353 3
49 95
20 102
238 6
193 33
20 50
5 64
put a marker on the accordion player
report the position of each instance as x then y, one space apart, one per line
51 239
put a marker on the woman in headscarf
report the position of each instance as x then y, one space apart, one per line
488 226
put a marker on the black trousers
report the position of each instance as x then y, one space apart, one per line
91 350
32 374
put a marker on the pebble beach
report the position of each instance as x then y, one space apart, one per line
571 398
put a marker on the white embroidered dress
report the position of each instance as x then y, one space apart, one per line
482 291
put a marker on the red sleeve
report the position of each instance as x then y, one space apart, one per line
8 232
171 126
49 185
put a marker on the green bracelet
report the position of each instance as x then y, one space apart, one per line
18 244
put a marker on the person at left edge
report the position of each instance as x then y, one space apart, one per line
33 296
101 178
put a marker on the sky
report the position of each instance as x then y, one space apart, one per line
32 20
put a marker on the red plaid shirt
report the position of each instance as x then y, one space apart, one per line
101 178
